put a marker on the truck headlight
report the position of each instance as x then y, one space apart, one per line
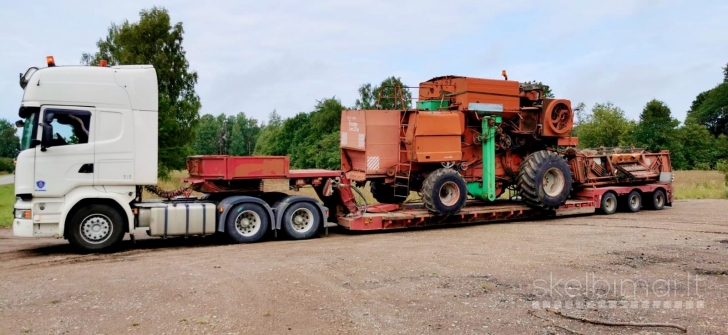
22 214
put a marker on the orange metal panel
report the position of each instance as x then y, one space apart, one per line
435 136
382 140
353 129
370 139
568 141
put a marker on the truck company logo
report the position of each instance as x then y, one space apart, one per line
40 184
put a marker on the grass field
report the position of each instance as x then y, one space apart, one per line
688 185
700 185
7 199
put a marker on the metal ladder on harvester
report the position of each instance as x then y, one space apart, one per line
401 186
404 163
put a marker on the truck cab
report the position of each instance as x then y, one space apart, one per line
89 137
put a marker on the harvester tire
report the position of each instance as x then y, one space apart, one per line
444 192
544 180
384 194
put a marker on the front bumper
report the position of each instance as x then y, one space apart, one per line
23 227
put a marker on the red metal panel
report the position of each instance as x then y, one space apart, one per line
254 167
313 173
234 167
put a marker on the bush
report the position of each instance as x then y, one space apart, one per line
7 165
722 165
702 166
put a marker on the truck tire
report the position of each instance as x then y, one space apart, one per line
658 200
444 192
96 228
544 180
384 194
301 220
609 203
247 223
633 202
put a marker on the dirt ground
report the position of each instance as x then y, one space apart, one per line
667 266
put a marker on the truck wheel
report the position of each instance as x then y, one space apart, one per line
633 202
384 194
247 223
444 192
96 228
301 220
609 203
658 200
544 180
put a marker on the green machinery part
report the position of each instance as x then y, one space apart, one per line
485 190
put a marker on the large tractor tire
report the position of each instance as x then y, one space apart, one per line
544 180
444 192
384 194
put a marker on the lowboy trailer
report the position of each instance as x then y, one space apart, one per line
89 149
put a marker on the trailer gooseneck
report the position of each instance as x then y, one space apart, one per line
89 148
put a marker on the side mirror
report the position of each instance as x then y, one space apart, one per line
20 123
47 137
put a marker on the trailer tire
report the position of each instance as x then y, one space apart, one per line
539 167
633 202
96 228
247 222
383 193
658 200
608 204
444 192
301 220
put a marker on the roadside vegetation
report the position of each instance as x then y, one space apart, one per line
7 199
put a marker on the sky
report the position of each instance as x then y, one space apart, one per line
256 56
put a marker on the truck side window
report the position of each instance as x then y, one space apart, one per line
70 127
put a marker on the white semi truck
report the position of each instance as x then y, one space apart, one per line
89 143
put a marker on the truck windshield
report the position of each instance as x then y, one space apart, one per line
29 126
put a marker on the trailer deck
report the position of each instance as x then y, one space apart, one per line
475 211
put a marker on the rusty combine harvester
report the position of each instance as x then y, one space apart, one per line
481 137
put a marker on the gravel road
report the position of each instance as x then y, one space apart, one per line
665 266
7 179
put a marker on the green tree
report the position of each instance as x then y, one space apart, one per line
388 94
606 125
315 143
547 93
696 147
9 141
154 40
269 138
657 128
710 109
243 135
207 134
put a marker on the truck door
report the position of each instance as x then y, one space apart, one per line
67 162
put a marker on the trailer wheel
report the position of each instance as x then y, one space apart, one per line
96 228
633 202
384 194
301 220
658 200
247 223
444 192
609 203
544 180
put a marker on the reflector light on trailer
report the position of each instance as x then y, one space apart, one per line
51 62
102 63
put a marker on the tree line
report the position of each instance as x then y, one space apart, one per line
700 142
311 138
